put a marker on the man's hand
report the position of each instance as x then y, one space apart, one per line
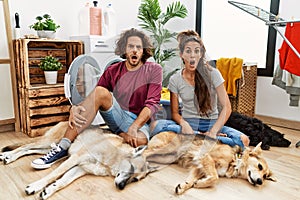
132 136
76 118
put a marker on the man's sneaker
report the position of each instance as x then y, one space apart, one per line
55 154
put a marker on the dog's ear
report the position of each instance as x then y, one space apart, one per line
257 149
139 150
270 177
152 167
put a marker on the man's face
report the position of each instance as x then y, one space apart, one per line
134 51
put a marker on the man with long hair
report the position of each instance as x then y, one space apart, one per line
127 95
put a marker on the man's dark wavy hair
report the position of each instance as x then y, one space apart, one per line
122 42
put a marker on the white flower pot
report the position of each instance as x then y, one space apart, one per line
51 77
46 34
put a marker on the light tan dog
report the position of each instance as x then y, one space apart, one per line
94 151
207 160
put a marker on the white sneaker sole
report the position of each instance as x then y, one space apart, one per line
45 166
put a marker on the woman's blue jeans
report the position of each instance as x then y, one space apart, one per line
232 138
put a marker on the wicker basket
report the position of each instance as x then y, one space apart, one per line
244 101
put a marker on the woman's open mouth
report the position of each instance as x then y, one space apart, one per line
192 62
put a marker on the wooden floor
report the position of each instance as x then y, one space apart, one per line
284 162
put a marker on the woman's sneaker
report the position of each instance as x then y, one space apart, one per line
55 154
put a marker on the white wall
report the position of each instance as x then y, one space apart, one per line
65 13
271 100
230 32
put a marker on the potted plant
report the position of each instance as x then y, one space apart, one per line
154 20
50 65
45 26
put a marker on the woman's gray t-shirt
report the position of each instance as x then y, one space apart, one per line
178 85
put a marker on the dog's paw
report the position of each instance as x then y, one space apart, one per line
1 157
33 188
5 158
48 191
29 190
179 190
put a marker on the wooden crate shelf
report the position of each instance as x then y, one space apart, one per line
42 106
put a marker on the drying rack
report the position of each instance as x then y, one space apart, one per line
269 18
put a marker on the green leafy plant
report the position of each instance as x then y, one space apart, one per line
44 23
50 63
154 20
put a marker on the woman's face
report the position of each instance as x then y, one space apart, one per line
191 55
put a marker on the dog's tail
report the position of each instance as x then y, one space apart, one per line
17 145
10 147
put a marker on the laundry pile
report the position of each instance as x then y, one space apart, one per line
257 131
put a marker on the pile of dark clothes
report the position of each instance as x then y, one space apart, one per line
257 131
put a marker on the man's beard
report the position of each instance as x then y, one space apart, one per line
136 63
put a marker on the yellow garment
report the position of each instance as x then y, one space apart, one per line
231 70
165 94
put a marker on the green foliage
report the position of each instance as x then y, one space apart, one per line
49 63
44 23
154 20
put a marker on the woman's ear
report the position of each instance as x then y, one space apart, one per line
180 55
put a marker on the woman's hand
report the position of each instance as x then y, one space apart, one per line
213 135
76 118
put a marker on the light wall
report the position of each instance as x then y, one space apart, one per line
228 31
271 100
66 14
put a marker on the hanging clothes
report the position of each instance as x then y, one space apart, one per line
288 82
289 61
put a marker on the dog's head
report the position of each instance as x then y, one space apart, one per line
256 169
133 168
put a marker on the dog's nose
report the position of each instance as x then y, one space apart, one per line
121 185
259 181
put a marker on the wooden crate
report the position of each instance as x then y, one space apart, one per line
42 106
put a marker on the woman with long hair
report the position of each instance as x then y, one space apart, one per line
200 88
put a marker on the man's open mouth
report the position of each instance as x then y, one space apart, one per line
134 57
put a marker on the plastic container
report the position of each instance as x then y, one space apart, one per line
90 20
95 19
110 21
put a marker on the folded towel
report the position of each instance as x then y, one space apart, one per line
231 70
165 94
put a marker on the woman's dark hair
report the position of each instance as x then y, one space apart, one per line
202 93
122 42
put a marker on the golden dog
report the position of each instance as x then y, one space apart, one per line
207 160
